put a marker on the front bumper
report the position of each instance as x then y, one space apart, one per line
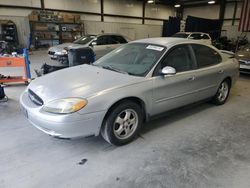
244 66
63 126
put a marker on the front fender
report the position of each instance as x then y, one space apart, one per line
105 99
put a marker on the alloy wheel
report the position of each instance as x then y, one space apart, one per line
125 124
223 91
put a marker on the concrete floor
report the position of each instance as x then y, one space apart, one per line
199 146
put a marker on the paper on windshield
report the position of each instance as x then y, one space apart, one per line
157 48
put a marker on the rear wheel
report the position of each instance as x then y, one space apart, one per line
122 123
222 93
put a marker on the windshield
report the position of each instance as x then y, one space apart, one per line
84 40
180 35
134 59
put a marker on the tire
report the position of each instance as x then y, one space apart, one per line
123 123
222 93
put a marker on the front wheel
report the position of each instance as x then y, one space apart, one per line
222 93
122 123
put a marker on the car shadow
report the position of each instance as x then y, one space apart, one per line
98 143
172 116
156 122
245 76
85 144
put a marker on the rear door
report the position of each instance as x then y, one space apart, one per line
177 90
107 43
209 72
113 43
100 46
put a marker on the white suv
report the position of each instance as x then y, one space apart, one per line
204 37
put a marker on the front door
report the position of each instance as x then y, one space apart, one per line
176 90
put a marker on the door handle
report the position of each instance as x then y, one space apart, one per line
221 71
191 78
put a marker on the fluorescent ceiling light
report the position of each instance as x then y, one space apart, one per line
177 6
211 2
150 1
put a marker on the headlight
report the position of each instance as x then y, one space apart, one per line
65 106
63 52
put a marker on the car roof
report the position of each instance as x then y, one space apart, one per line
166 41
109 34
188 33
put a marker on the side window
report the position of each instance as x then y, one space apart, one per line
119 39
205 36
102 40
178 58
205 55
111 40
195 36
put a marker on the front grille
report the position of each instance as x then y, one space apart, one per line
34 98
51 53
244 62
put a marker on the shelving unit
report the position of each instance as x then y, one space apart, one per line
9 32
55 32
50 28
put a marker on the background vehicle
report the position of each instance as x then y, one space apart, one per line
204 37
75 56
223 43
126 87
101 45
243 57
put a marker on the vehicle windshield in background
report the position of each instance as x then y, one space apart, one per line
247 47
84 40
134 59
180 35
198 36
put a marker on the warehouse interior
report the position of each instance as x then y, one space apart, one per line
194 145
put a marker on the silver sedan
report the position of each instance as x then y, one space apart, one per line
119 92
101 45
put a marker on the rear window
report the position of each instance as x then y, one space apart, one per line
196 36
205 36
119 39
206 56
180 35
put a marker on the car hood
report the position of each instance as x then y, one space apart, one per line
65 45
79 81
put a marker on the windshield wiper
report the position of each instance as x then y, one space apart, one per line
109 67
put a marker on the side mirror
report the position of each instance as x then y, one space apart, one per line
168 71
